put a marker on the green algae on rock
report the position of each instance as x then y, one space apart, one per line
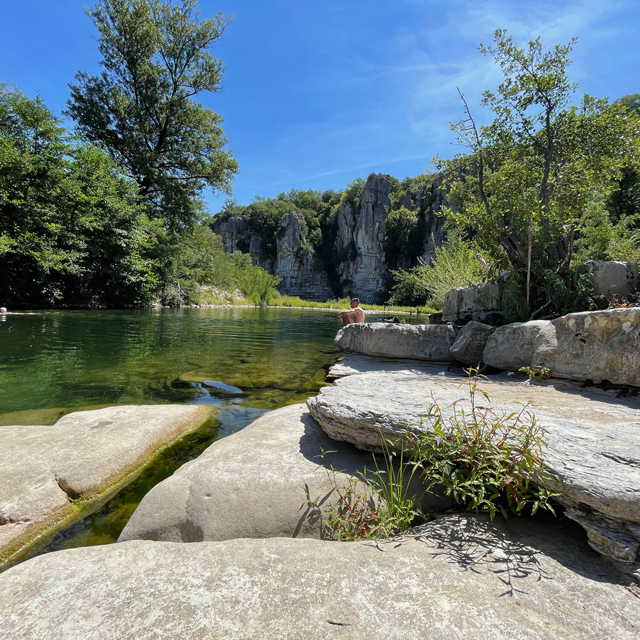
52 476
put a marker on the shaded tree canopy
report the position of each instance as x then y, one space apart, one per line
141 108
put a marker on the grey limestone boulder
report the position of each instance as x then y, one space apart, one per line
51 476
248 485
420 342
459 577
611 277
473 302
470 343
592 345
514 345
593 438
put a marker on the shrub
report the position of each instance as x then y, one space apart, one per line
385 510
454 265
484 461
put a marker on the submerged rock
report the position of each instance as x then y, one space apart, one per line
420 342
459 577
593 450
51 476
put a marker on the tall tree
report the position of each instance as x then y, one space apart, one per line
141 108
533 170
71 228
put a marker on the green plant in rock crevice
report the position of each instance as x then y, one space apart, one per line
543 373
385 509
485 462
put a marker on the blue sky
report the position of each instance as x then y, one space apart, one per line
317 94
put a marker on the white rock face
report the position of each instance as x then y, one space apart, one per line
365 272
420 342
611 278
235 237
52 476
295 265
592 345
593 453
360 268
248 485
460 577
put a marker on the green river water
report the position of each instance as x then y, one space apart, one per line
242 361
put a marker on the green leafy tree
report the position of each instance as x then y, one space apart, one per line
141 108
532 171
404 232
71 230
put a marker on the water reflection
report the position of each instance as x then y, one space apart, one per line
53 362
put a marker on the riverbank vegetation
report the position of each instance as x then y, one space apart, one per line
548 184
483 461
112 214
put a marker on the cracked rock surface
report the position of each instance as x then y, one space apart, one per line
459 577
49 475
593 452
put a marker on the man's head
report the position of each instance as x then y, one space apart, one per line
3 309
355 302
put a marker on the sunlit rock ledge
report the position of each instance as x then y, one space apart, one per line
52 476
459 577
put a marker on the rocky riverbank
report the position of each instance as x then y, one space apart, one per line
52 476
260 570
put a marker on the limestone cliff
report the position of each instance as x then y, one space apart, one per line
357 262
364 271
295 264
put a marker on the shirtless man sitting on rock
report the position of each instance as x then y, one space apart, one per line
355 314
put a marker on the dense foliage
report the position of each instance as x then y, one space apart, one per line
454 265
535 181
156 58
114 216
70 225
74 230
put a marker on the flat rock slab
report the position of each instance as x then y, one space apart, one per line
593 453
429 342
354 363
458 578
252 484
51 476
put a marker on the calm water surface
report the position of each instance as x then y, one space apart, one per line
242 361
